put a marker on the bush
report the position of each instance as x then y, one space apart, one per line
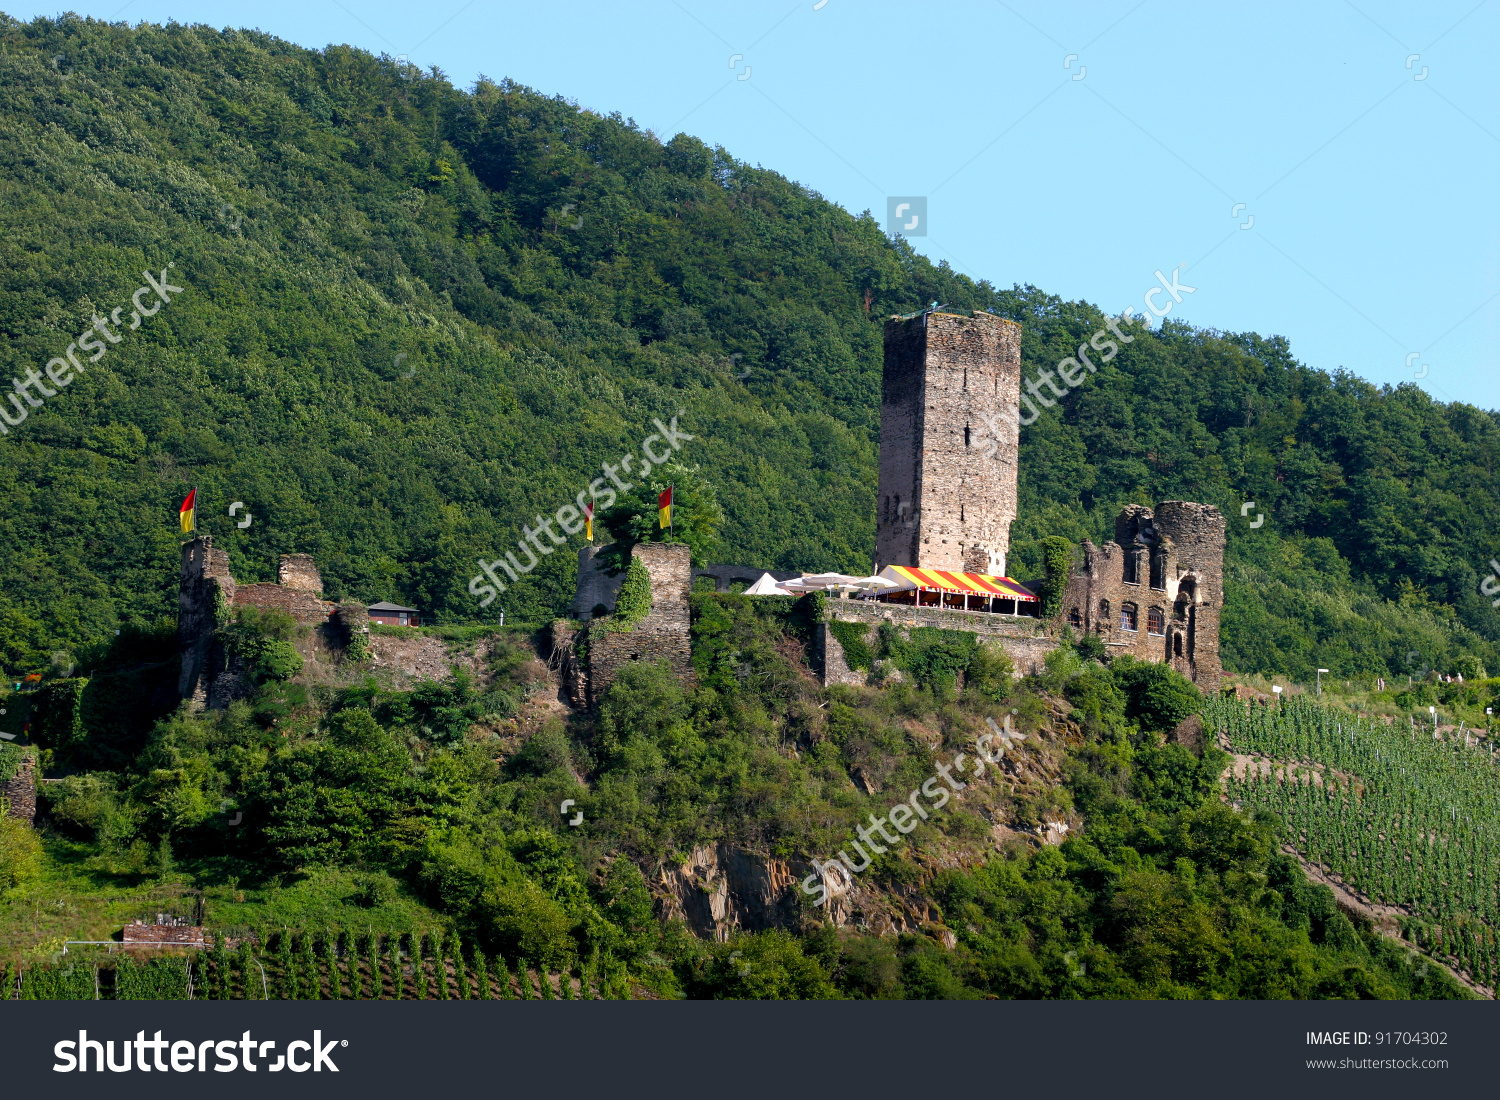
1157 696
20 853
263 641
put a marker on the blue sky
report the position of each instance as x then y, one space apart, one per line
1079 148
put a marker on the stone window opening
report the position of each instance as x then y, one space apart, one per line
1159 571
1177 644
1074 618
1127 617
1132 570
966 435
1103 614
1156 622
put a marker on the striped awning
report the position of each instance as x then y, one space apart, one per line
981 584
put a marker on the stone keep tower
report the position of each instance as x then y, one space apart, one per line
949 442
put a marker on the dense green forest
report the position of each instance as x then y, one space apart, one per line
414 317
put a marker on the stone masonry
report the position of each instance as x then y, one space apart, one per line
18 793
207 590
947 497
660 636
1156 591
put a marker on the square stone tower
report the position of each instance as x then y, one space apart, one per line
949 442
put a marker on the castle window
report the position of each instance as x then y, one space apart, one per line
1159 571
1074 618
1127 616
1103 614
1177 645
966 435
1132 570
1156 622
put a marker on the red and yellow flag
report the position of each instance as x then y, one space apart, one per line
588 521
664 507
187 514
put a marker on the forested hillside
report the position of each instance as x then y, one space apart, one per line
414 317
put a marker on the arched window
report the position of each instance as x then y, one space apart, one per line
1074 618
1156 622
1103 614
1127 616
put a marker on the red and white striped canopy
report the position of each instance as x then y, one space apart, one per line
980 584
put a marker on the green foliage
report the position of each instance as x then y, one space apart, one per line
20 853
57 719
934 658
1157 696
1057 560
70 981
633 602
857 652
11 757
164 979
696 513
265 641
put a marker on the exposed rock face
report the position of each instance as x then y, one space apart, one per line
564 661
722 889
1189 734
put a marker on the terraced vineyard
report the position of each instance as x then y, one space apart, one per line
1405 818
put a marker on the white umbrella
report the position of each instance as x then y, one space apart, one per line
766 586
821 580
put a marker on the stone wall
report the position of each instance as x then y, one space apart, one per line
1026 641
1168 563
595 585
660 636
204 580
143 934
298 571
301 604
19 791
828 656
947 497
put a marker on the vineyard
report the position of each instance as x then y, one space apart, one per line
336 966
1405 818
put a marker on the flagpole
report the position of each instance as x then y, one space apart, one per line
671 511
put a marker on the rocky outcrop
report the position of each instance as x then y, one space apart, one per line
722 889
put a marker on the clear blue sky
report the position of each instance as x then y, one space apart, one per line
1371 176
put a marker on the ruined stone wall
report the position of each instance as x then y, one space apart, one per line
298 571
19 791
1026 641
595 586
300 604
1169 560
204 580
947 497
660 636
828 656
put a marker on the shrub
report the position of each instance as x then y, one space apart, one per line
1057 558
20 853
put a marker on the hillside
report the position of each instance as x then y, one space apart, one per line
413 318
